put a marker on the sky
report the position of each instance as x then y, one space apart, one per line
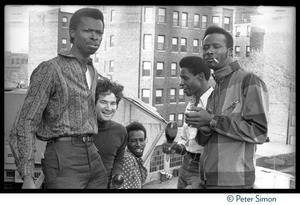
17 26
16 20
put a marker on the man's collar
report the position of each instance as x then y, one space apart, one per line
68 54
138 158
205 95
223 72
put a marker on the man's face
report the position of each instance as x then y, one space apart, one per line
106 107
136 142
214 46
189 82
88 35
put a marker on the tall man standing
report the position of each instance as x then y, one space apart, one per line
59 108
235 120
194 81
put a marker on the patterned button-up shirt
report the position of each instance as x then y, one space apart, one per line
135 173
58 102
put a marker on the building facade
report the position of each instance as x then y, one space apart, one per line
16 73
144 44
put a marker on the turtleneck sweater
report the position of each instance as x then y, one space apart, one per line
111 142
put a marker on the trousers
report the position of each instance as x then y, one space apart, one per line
73 165
188 176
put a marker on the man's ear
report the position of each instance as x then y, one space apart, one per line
200 76
72 32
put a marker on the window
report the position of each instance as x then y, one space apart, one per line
248 30
10 174
196 47
157 159
146 95
64 42
181 95
112 16
238 31
184 20
159 69
173 95
36 174
37 166
175 18
159 96
111 41
12 61
148 14
204 22
247 51
24 61
174 69
111 66
180 119
64 22
183 47
161 15
227 23
237 50
18 61
175 160
147 42
171 117
175 44
146 68
97 57
196 21
216 19
161 43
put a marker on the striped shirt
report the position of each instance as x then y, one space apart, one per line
240 105
58 102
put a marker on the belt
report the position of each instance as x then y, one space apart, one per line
194 156
73 138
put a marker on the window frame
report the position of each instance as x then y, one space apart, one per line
162 16
175 21
159 99
146 72
184 22
183 48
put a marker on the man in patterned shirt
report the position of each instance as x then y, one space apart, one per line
60 108
135 173
234 121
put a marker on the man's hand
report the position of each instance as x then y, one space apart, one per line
205 129
198 117
168 148
28 183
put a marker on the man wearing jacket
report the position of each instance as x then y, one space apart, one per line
234 121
